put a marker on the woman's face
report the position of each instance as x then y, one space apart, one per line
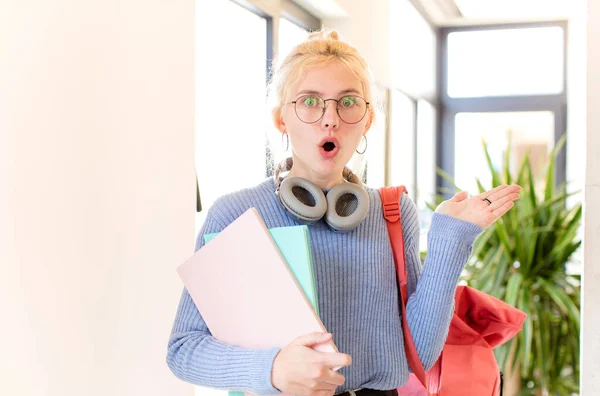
324 147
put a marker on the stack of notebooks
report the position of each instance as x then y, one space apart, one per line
254 286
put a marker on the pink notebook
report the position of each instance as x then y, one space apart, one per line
245 291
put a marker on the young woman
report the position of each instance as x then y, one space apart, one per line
324 107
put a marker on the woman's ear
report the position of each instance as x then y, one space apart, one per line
369 121
278 120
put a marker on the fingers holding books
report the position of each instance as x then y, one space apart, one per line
300 370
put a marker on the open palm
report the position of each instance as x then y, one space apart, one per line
483 209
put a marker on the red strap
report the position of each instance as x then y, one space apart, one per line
390 199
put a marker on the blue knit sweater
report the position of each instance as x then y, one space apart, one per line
357 295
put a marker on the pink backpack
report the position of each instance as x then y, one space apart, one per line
467 365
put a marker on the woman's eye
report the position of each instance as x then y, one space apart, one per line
348 101
310 101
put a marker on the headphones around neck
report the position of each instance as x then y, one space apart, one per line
343 208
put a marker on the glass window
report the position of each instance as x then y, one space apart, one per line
413 51
230 100
426 166
506 62
290 35
531 131
402 142
426 150
375 155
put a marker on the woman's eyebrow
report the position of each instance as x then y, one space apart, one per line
347 91
314 92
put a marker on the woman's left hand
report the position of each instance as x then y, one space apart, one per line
483 209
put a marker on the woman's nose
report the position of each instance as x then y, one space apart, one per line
330 118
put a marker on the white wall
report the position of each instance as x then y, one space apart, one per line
367 27
590 341
394 39
97 193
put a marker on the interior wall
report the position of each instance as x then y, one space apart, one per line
367 27
590 326
98 193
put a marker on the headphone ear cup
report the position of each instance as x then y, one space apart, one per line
347 206
303 201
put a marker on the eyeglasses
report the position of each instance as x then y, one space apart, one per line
350 108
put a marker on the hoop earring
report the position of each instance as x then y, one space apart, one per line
362 152
287 140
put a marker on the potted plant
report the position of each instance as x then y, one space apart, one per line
522 259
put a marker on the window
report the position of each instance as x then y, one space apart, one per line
374 157
290 35
506 62
412 153
413 51
402 142
525 131
426 150
235 137
496 78
426 166
230 99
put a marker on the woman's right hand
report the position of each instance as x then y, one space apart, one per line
301 371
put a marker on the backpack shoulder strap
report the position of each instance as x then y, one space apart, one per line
390 199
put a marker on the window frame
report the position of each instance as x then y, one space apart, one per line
250 6
301 18
449 107
293 13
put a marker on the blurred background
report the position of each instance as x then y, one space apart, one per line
122 121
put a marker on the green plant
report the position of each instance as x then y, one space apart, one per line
521 259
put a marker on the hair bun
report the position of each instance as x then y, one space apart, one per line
325 34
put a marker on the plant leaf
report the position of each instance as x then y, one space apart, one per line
495 176
512 288
562 300
551 171
525 306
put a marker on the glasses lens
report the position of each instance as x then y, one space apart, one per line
352 109
309 108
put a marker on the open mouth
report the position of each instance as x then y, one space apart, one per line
328 146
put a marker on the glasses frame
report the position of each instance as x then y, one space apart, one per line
337 108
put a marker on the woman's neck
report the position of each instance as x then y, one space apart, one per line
324 182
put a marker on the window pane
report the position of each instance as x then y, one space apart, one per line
402 142
375 154
230 99
426 166
426 147
506 62
290 35
533 131
413 51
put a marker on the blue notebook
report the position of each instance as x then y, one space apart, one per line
294 244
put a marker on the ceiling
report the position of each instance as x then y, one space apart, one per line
467 12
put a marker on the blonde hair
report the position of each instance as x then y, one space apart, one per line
318 49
